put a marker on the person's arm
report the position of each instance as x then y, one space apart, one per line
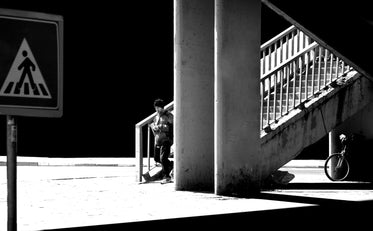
154 127
170 122
151 125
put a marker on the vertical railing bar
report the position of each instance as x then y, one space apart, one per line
319 69
268 96
265 60
288 70
343 67
331 67
294 82
306 58
298 41
261 63
287 73
148 148
281 50
292 43
139 152
300 77
261 104
274 95
287 47
295 42
267 54
270 58
313 71
337 68
281 88
305 40
325 65
275 53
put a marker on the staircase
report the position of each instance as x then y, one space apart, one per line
304 96
306 91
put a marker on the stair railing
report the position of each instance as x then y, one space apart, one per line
139 132
296 80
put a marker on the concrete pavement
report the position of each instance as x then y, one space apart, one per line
103 196
120 162
54 161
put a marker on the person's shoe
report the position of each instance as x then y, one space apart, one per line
146 177
166 180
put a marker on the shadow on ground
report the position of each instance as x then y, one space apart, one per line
322 213
330 186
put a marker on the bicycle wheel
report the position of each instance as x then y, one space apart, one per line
336 167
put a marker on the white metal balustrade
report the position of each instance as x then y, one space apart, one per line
293 72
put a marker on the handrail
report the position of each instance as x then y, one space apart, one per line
277 37
148 119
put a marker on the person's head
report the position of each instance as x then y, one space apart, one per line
159 105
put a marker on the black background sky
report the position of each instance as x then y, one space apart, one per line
118 57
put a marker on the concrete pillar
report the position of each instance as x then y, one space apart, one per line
333 139
194 94
237 96
333 148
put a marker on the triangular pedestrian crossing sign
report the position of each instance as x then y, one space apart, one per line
24 78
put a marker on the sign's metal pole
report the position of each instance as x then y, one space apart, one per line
12 172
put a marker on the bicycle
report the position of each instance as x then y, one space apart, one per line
336 166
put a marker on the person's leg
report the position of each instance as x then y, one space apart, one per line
166 163
157 151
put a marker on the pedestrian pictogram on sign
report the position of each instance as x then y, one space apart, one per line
24 78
